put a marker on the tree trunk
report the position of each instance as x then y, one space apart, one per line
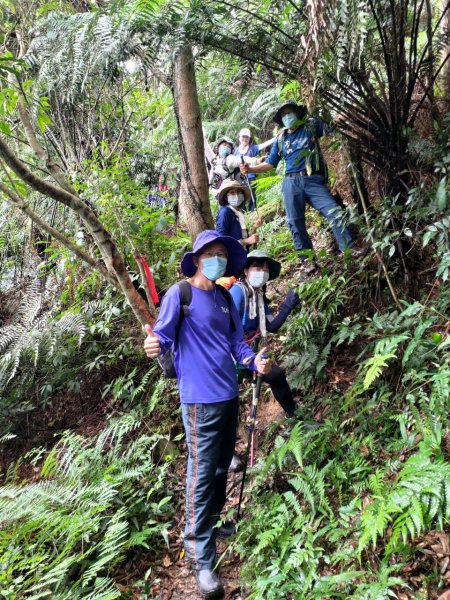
356 176
445 77
109 251
194 198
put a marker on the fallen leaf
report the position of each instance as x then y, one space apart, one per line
166 561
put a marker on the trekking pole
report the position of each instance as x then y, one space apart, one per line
247 181
252 196
257 381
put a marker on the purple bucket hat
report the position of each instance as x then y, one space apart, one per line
236 253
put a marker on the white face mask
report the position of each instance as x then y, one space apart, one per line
235 199
258 278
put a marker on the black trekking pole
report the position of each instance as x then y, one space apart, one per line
252 197
257 381
250 187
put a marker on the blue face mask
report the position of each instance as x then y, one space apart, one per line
214 267
258 278
224 151
289 120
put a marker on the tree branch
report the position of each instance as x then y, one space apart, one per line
20 203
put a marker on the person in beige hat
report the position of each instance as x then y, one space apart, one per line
231 219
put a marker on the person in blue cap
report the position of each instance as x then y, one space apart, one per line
304 179
206 342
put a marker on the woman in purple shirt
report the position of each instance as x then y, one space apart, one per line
206 343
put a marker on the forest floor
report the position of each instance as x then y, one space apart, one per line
87 414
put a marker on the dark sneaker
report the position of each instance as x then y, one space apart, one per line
236 464
226 530
209 584
309 267
359 252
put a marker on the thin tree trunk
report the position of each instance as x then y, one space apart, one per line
21 205
194 198
445 77
109 251
356 176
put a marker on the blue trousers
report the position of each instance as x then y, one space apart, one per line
211 437
297 191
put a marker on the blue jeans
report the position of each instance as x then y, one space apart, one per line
211 437
312 189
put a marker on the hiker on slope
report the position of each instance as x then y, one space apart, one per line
224 165
304 179
231 218
247 148
257 319
205 342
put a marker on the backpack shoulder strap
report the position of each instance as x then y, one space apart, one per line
226 294
244 301
185 297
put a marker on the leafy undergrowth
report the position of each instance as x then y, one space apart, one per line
351 501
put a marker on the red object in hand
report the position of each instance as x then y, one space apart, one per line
149 277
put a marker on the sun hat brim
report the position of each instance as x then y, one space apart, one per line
223 139
232 185
261 255
299 108
236 253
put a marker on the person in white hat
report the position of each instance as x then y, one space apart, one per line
249 150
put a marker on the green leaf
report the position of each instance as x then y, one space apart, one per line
5 128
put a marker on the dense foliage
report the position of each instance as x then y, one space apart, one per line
353 499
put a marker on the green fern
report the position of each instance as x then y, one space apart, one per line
419 498
374 368
32 335
63 534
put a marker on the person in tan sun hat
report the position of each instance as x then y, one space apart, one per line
231 220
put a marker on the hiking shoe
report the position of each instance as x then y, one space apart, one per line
236 464
290 414
226 530
209 584
359 252
309 267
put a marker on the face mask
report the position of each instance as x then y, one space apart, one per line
258 278
289 120
214 267
224 151
235 199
